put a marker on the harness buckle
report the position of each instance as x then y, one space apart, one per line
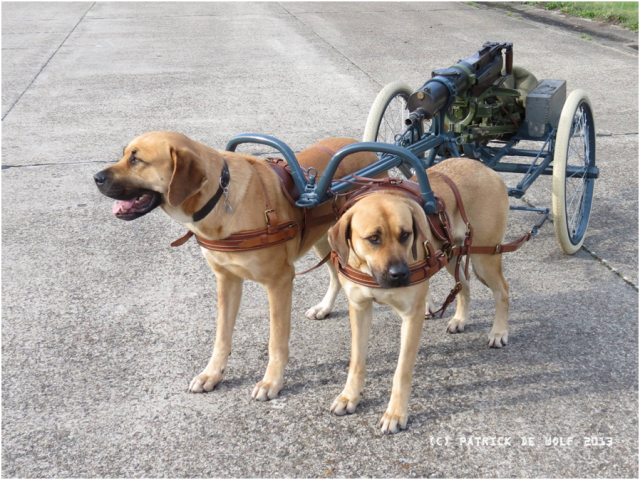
442 217
447 249
497 250
426 247
266 216
468 229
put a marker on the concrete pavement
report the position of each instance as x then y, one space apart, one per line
104 324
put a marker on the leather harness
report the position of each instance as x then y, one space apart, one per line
275 232
440 226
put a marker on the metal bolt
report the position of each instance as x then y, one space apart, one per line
420 96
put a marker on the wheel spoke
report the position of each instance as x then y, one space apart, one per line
582 171
392 122
573 196
580 210
578 155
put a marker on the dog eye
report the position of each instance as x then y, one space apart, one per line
133 160
404 236
375 239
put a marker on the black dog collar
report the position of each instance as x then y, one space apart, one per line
225 177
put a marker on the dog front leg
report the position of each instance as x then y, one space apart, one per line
360 316
489 270
280 294
229 295
396 416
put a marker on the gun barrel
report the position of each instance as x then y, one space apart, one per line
435 94
481 69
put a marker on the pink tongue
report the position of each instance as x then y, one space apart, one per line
127 204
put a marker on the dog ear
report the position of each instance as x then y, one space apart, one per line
420 227
188 176
339 237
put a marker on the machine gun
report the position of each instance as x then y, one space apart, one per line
469 93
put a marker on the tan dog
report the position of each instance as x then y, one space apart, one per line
180 176
377 235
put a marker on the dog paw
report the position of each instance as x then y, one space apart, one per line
456 325
343 405
265 391
498 339
430 307
318 312
429 311
205 382
393 422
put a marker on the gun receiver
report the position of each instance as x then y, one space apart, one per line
478 72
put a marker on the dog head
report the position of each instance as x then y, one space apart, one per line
157 168
381 232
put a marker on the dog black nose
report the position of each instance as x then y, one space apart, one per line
399 272
99 178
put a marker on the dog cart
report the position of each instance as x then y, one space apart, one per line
479 108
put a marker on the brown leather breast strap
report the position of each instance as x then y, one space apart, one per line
454 250
247 240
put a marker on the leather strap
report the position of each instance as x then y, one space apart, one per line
252 239
512 246
418 272
270 216
182 240
317 265
324 149
468 239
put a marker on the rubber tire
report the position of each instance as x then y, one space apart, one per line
380 105
560 170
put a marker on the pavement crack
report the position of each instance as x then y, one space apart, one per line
47 62
89 162
594 255
331 46
615 134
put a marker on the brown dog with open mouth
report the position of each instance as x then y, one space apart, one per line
379 238
186 179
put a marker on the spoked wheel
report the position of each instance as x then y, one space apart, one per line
575 146
385 122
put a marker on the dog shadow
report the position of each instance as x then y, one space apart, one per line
536 353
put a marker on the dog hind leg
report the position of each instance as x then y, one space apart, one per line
489 268
325 307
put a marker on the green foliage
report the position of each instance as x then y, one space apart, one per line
622 13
